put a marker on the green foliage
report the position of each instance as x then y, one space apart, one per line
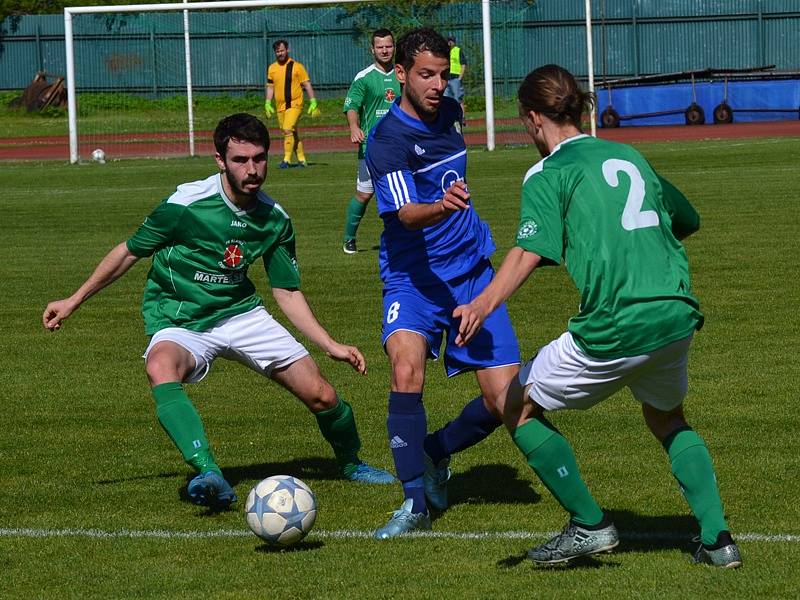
398 17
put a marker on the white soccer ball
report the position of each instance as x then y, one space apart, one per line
99 156
281 510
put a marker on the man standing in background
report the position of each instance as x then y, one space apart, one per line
370 95
458 69
286 80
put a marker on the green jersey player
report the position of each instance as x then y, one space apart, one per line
372 92
602 209
199 304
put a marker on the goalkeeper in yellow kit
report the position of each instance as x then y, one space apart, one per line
286 80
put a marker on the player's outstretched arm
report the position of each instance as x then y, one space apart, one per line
517 266
294 305
113 266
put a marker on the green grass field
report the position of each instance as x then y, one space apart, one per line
91 502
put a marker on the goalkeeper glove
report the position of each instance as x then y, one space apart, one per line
268 108
313 110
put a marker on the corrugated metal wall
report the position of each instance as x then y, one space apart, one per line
230 50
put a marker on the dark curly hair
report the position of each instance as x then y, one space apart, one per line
240 126
419 40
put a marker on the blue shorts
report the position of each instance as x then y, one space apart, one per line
428 311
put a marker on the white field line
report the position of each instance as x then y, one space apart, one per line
361 534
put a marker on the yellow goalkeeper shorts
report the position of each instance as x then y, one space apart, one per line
287 119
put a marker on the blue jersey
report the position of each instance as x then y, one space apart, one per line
413 161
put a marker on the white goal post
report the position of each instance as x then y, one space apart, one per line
185 7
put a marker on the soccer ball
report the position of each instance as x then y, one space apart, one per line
99 156
281 510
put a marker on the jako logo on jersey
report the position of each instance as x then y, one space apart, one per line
236 223
528 229
389 95
397 442
418 150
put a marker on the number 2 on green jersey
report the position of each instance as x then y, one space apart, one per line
633 217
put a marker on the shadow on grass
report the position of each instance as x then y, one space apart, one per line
647 533
491 483
309 468
167 475
584 562
301 546
638 534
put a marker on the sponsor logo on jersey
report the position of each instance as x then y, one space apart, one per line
237 223
228 278
528 229
389 95
381 111
418 150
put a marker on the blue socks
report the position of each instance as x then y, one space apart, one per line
470 427
407 427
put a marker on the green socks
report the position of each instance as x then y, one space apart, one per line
180 420
692 467
355 212
552 459
338 427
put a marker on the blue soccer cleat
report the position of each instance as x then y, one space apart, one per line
435 479
404 521
283 165
210 489
365 473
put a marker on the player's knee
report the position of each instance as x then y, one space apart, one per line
321 397
363 197
662 423
407 376
162 366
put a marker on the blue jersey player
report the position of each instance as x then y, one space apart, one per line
434 256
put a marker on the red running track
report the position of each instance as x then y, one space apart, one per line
332 139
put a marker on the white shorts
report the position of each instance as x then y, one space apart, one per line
562 376
254 339
363 180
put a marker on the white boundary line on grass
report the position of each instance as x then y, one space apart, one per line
360 534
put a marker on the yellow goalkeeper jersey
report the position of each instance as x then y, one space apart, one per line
286 80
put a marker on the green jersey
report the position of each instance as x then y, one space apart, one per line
370 95
202 245
601 207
